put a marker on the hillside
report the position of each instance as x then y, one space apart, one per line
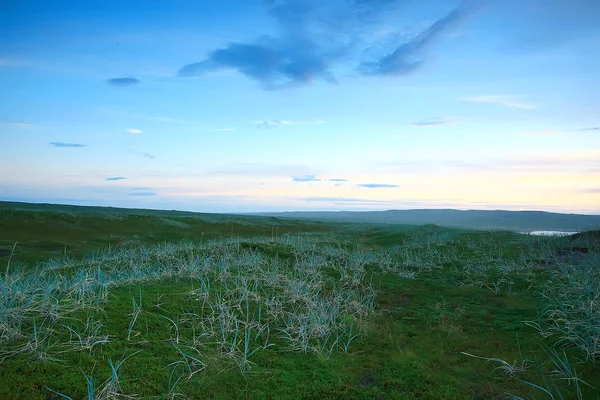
474 219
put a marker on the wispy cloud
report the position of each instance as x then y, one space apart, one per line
435 122
262 170
134 131
506 101
594 128
126 81
63 144
541 132
409 56
343 200
276 122
142 194
314 178
149 155
115 178
312 37
305 178
376 185
17 125
591 190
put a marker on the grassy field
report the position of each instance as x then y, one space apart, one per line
104 303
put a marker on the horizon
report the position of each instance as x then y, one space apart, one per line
302 105
290 211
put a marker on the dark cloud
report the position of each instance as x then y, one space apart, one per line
376 185
408 57
115 178
314 35
305 178
595 128
127 81
63 144
149 155
292 58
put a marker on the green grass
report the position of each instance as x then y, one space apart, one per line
163 305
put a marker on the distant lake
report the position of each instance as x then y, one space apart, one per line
551 233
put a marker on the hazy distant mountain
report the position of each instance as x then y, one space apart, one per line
478 219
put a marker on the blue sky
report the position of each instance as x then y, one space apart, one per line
238 106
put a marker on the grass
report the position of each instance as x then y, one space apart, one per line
166 305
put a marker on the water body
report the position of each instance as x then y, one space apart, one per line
551 233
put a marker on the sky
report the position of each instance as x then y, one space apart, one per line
281 105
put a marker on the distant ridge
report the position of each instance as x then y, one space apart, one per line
522 221
476 219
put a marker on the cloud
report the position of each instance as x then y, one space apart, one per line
115 178
149 155
507 101
340 200
592 190
541 132
127 81
594 128
351 202
143 194
275 122
313 36
18 125
262 170
376 185
314 178
305 178
134 131
435 122
408 57
63 144
293 57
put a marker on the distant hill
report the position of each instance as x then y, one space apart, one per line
475 219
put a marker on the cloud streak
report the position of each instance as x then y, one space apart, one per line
275 122
134 131
314 178
126 81
18 125
506 101
64 144
409 56
115 178
435 122
305 178
377 185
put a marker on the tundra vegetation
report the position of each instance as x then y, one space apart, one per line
107 303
